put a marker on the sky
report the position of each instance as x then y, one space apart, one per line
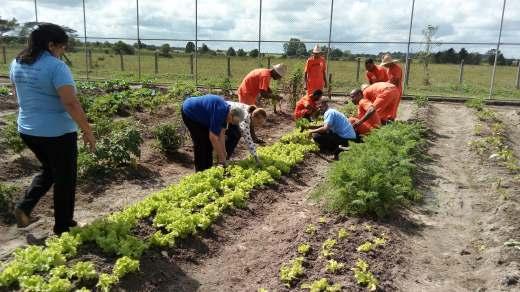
308 20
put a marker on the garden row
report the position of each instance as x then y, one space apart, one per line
171 214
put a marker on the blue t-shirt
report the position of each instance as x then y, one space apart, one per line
339 124
208 110
41 112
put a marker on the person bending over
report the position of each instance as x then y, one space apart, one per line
367 117
307 107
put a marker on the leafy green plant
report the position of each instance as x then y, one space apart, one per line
342 233
321 285
310 229
168 137
295 85
334 266
363 276
115 85
421 100
366 246
349 110
4 90
10 136
7 193
125 265
304 249
292 271
377 175
83 271
326 248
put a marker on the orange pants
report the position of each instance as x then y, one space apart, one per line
363 128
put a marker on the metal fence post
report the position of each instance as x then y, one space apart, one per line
259 32
407 72
518 75
358 68
492 86
87 67
461 72
407 63
269 62
36 10
330 34
122 62
191 64
90 58
196 42
138 43
4 57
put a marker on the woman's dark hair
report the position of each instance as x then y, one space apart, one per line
39 40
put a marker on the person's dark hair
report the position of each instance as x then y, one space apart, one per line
39 40
317 93
369 61
251 109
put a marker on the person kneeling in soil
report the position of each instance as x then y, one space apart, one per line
207 118
307 107
254 117
367 118
335 132
384 96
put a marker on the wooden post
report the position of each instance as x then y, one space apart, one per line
90 58
518 75
122 63
461 72
229 67
4 55
329 89
191 64
358 68
268 62
407 76
156 57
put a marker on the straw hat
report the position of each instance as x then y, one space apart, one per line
387 59
316 49
281 69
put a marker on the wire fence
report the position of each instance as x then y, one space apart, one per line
263 18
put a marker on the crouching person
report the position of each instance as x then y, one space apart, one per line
207 117
306 107
254 117
336 130
367 117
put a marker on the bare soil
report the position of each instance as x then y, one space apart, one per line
457 243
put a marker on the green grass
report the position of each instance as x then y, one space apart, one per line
444 77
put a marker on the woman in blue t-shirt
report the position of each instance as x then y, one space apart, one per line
49 114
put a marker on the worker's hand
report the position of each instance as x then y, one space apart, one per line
90 141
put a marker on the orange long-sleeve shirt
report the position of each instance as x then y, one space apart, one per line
304 107
384 97
253 83
377 75
315 69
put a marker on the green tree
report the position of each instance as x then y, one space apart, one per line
190 47
241 53
204 49
336 53
295 47
501 60
254 53
123 48
425 56
7 26
231 52
165 50
463 54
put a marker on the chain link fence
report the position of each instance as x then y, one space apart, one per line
261 29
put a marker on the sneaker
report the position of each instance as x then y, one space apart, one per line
22 219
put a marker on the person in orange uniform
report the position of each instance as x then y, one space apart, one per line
307 106
384 96
315 71
374 73
395 76
257 83
367 118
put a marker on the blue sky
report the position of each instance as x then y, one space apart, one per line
354 20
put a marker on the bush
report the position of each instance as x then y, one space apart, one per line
4 90
6 197
10 136
375 177
168 137
295 86
118 144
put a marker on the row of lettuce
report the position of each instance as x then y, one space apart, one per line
174 213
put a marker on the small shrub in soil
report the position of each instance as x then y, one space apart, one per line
4 90
10 136
168 137
7 193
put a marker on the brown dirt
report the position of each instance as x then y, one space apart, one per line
96 198
457 243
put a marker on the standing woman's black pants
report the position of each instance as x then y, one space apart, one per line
58 157
202 148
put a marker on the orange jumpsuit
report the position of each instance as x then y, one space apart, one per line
384 96
373 122
253 83
376 75
305 107
395 76
315 69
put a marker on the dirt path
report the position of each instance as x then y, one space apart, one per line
458 245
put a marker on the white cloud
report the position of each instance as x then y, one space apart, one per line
354 20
